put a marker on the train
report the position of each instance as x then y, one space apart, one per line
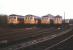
33 21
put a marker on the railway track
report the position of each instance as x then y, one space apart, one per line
11 31
36 38
63 38
48 44
20 35
66 44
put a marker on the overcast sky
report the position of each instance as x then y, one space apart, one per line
37 7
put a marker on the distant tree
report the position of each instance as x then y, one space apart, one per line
3 19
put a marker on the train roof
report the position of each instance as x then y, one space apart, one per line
13 15
58 16
19 16
49 16
29 15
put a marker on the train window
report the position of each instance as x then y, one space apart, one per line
14 17
10 17
26 18
30 18
43 18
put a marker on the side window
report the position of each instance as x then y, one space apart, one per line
43 18
26 18
30 18
14 17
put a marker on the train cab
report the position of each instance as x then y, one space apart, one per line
46 19
13 19
30 19
57 20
